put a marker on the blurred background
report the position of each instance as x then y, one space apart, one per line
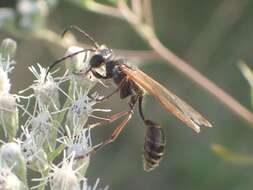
212 36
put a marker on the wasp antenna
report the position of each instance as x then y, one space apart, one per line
64 58
73 27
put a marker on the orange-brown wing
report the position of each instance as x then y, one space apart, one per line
168 100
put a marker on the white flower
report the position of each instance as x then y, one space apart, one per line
43 129
36 146
82 108
45 90
8 105
78 62
10 154
8 115
5 84
34 154
8 48
64 177
78 143
7 16
6 66
94 187
31 13
77 65
9 181
6 63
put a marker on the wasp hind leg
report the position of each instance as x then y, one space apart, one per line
116 132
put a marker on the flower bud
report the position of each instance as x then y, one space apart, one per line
80 145
82 108
43 131
5 84
9 115
64 177
94 187
45 92
8 48
10 154
34 155
51 3
7 18
83 163
79 64
38 161
31 14
79 112
9 181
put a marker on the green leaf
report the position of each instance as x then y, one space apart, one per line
56 152
114 2
228 155
247 72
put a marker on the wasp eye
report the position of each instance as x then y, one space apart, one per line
97 60
106 53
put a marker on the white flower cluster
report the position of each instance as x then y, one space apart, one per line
48 128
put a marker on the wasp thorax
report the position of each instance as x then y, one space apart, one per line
153 146
105 51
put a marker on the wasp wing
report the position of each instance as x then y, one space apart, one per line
168 100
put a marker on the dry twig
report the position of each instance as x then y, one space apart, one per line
146 31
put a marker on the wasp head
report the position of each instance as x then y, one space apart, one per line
105 52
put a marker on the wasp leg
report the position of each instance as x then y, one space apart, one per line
112 138
114 134
120 127
110 119
99 76
114 92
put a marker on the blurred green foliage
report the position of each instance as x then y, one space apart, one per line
212 36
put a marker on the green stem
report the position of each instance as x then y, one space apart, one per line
56 153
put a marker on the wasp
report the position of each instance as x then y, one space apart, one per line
132 82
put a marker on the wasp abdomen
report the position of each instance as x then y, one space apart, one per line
153 147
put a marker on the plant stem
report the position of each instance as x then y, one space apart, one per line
147 33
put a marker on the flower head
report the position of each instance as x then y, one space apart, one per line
36 147
42 128
9 181
6 66
82 108
64 177
8 105
45 90
8 48
32 14
78 64
34 153
94 187
8 115
5 84
10 154
79 144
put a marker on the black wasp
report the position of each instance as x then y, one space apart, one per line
132 82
